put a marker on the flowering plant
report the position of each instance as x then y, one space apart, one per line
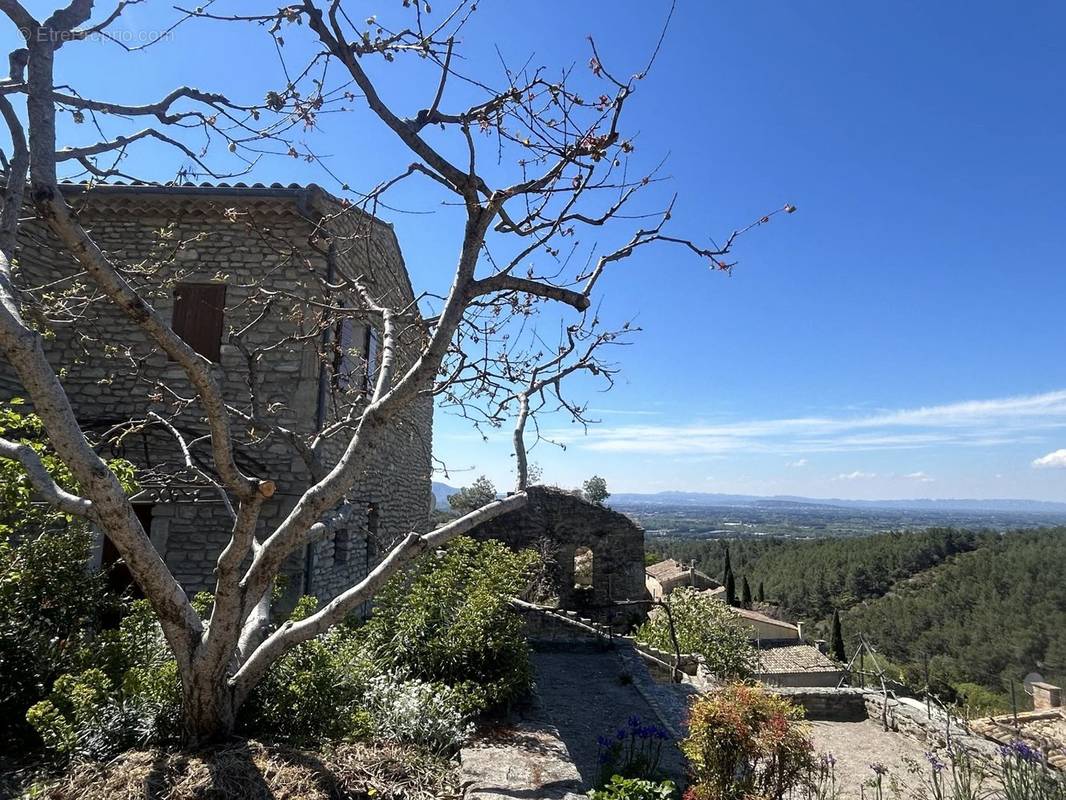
634 751
744 742
1025 775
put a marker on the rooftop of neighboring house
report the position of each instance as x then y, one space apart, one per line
1043 728
784 659
758 616
671 569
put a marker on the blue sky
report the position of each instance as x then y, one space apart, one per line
901 335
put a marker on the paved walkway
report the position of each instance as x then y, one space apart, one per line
552 752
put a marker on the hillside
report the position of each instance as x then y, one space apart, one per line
810 578
981 608
984 617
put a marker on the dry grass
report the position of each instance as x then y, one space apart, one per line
252 770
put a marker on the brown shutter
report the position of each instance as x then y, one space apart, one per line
199 310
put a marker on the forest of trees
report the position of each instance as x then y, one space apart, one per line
976 608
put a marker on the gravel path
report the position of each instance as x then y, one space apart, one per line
857 745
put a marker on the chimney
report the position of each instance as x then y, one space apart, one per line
823 648
799 631
1046 697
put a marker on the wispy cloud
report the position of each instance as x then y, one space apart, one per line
973 423
1052 460
799 462
919 476
857 475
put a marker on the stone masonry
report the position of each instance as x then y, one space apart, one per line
256 241
569 525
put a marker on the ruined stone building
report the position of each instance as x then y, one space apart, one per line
235 269
595 555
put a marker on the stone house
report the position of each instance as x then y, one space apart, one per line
665 576
762 628
217 260
797 664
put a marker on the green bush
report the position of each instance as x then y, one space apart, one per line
448 620
619 788
133 698
315 691
50 602
706 626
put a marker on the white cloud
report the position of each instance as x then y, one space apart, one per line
799 462
1051 460
857 475
973 423
919 476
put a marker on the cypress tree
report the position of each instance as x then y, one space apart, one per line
728 566
762 593
836 644
745 592
730 588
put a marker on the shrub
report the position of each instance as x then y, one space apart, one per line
49 601
449 620
314 691
745 743
706 626
408 710
619 788
132 699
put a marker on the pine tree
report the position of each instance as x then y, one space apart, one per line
836 644
745 592
730 588
762 593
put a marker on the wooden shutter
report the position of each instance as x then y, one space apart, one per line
199 311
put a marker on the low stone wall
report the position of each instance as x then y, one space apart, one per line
831 704
904 716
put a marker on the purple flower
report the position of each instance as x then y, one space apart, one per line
1021 751
829 759
634 722
603 741
935 762
620 734
879 768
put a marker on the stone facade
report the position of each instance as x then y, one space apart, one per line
258 242
571 527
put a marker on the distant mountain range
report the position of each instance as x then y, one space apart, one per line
441 491
707 499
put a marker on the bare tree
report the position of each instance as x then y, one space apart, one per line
516 254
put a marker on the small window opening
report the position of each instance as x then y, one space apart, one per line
583 568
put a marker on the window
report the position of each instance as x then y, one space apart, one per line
342 544
199 309
371 346
583 568
342 361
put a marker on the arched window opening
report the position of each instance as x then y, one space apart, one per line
583 568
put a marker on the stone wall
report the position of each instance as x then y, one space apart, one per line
257 241
567 524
